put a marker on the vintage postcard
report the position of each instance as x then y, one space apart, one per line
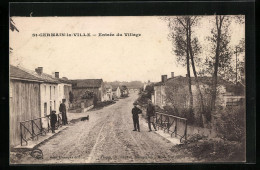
127 89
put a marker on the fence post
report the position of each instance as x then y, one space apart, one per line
161 121
41 125
21 134
58 120
48 123
176 127
185 130
156 118
168 124
32 129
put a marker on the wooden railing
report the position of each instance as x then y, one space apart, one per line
172 124
32 129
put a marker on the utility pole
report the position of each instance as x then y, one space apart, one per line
236 64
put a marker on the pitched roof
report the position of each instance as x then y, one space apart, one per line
203 80
64 80
45 77
87 83
17 73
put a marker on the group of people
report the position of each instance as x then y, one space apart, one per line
53 116
150 111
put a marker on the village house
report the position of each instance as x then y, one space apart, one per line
80 86
109 94
49 93
116 92
228 93
64 88
25 102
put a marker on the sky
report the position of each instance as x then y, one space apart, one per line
121 58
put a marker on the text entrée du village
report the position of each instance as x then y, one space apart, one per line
86 35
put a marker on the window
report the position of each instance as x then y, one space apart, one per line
50 106
45 109
54 91
50 92
54 105
45 90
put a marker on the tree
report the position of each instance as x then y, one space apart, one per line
186 44
149 90
12 28
240 63
71 97
222 55
179 37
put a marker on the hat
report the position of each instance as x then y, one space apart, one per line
63 100
53 111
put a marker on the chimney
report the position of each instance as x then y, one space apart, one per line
164 78
39 70
57 75
172 74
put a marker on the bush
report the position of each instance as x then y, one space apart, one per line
231 124
185 113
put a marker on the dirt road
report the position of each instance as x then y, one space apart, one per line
107 138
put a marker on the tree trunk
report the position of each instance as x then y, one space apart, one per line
219 21
196 78
188 72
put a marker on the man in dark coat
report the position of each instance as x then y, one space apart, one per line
53 118
135 112
150 111
63 112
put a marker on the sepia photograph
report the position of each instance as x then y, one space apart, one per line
127 89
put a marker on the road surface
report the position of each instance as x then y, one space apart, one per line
108 138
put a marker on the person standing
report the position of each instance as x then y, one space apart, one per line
63 112
53 118
135 112
150 111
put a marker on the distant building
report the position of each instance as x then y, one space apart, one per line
108 95
116 92
79 87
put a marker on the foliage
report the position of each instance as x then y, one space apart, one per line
211 149
149 90
124 91
95 100
87 95
231 124
71 97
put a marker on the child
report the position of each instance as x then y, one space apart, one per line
53 117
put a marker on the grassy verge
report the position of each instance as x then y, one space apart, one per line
211 150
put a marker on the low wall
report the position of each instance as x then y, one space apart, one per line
191 130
